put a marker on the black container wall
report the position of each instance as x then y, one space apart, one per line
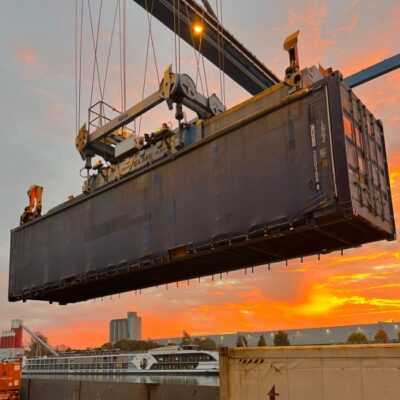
271 180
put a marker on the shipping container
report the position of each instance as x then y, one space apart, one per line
10 379
9 395
276 177
348 372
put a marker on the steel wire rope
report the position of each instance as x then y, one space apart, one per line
201 55
121 80
221 62
124 48
175 52
219 48
78 71
109 49
149 41
205 74
95 63
149 21
223 54
179 36
122 54
76 68
196 56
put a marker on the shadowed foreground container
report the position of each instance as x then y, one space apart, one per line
367 372
53 389
10 379
277 177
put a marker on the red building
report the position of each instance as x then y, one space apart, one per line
11 341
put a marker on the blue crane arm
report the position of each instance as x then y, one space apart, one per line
375 71
237 62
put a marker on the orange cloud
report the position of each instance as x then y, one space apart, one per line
27 56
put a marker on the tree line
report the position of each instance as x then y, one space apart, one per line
280 339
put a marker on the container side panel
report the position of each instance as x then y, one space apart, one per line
273 170
367 164
313 373
270 181
338 143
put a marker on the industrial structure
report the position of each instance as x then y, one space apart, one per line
11 345
297 170
11 342
129 328
326 335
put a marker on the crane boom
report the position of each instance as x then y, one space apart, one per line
374 71
233 57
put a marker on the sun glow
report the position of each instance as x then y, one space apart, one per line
198 28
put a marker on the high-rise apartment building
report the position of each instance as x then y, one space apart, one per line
129 328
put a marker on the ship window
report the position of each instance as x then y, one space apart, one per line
348 127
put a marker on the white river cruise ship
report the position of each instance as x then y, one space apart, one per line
185 360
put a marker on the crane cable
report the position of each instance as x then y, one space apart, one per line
95 44
122 52
95 41
221 61
197 54
223 54
149 21
109 48
150 42
177 35
78 64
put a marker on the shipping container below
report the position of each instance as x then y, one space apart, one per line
278 177
10 379
350 372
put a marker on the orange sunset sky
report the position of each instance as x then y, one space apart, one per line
38 130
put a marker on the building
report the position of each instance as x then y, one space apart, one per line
129 328
302 337
11 341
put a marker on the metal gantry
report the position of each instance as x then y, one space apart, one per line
217 44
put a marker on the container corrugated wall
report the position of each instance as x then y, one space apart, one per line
269 181
365 372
